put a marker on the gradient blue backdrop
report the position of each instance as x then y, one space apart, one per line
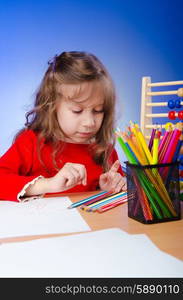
132 38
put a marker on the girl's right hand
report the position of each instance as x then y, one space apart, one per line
69 176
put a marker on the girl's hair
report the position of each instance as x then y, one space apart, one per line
73 68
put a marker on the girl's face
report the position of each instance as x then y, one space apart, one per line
80 111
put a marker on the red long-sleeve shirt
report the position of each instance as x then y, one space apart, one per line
21 165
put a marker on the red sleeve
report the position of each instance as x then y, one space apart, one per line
113 158
15 164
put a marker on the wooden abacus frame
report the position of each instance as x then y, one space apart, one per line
146 117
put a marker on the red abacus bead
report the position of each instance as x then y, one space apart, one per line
171 115
180 114
181 173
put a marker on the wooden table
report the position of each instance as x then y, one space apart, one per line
167 236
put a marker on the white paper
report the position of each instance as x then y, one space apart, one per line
39 216
105 253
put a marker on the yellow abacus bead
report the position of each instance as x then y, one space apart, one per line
169 126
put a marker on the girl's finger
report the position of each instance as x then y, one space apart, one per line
115 166
75 173
78 171
104 177
70 180
115 181
124 186
117 188
82 171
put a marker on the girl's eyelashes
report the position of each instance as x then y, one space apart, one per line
76 111
94 111
99 111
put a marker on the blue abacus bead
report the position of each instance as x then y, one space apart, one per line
181 160
171 104
178 103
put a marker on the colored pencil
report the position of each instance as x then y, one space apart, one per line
153 195
100 202
151 139
155 148
78 203
111 205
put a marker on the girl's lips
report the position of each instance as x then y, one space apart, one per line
84 133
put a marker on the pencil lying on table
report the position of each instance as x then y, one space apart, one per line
123 198
94 197
105 200
111 205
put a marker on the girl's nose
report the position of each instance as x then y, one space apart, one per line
88 120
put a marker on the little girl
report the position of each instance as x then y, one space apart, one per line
68 141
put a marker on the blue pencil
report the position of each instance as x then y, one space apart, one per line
78 203
104 201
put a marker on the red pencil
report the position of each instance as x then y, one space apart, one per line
112 205
103 196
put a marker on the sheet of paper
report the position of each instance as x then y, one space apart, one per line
39 216
105 253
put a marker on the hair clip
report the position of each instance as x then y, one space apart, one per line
52 62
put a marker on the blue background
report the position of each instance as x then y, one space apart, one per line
132 38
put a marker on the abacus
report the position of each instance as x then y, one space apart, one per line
147 117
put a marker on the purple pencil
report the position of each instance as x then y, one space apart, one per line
151 138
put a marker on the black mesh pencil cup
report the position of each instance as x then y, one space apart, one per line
153 192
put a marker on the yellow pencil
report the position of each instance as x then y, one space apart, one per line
155 149
141 159
88 207
153 174
138 142
144 145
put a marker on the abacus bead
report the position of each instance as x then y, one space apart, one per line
180 92
171 115
181 173
180 114
168 126
171 104
178 103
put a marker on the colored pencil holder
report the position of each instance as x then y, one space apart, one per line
153 192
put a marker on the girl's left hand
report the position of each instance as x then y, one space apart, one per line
112 180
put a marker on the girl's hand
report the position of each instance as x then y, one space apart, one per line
112 180
70 175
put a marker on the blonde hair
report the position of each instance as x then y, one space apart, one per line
72 68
